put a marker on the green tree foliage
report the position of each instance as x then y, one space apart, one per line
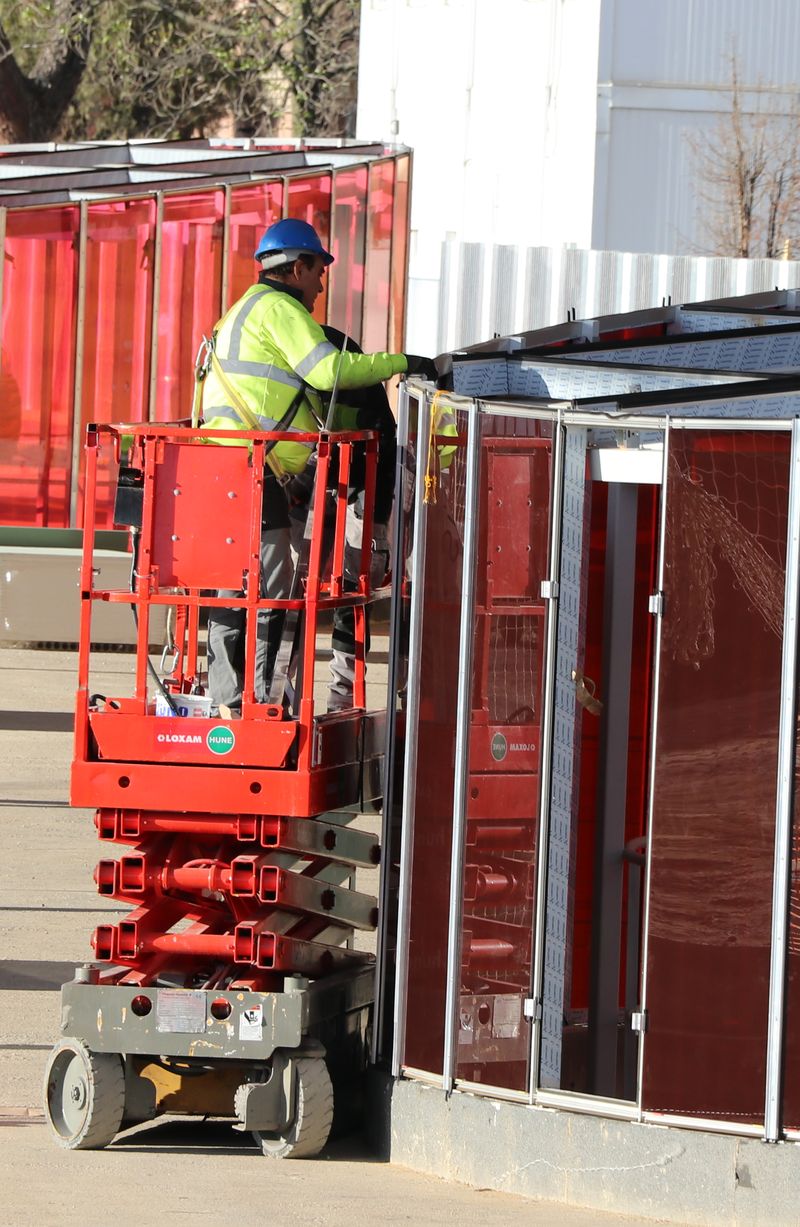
116 69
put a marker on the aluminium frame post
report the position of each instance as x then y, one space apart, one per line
154 309
331 233
77 374
784 804
410 764
463 699
653 741
390 747
225 271
546 742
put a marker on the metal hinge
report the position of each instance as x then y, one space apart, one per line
639 1022
548 589
656 604
532 1008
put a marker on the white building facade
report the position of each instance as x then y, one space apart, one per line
561 123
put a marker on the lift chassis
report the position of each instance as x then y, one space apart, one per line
234 986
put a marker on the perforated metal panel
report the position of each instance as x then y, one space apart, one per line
771 351
566 749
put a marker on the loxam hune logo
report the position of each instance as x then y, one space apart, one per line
499 747
220 740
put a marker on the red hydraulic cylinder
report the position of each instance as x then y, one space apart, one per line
482 884
191 945
488 950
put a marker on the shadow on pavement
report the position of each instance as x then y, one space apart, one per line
37 721
34 975
215 1137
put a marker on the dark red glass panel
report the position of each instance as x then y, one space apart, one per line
379 257
498 886
189 295
254 207
791 1071
310 201
346 274
715 776
433 785
37 371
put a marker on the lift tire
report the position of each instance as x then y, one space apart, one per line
309 1130
84 1095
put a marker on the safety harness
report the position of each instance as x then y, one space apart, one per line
206 361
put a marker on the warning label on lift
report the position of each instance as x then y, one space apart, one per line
180 1009
251 1020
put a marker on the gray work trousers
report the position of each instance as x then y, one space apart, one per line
226 627
343 660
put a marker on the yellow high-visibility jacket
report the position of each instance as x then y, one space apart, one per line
270 347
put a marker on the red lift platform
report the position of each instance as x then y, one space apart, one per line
232 987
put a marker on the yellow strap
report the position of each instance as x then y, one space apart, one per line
431 468
197 400
246 415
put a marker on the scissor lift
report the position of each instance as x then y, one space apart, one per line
232 987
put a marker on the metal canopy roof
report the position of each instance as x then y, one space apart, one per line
52 174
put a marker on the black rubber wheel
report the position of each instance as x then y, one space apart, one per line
309 1130
84 1095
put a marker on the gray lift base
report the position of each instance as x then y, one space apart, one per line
180 1022
274 1038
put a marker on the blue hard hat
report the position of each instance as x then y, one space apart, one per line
291 238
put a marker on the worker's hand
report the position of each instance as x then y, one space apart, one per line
424 367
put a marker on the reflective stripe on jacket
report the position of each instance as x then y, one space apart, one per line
444 423
270 347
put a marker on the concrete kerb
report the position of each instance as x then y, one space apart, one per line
653 1171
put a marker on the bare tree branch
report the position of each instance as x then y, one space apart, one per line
748 179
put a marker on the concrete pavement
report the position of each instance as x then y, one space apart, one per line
170 1170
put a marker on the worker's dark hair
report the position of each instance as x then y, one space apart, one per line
283 270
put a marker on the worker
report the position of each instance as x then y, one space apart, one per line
268 365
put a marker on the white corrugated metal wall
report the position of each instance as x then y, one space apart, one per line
558 123
663 79
497 290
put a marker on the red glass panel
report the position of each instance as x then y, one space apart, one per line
399 275
189 297
118 322
346 274
254 207
310 201
37 372
433 786
377 280
498 886
715 776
